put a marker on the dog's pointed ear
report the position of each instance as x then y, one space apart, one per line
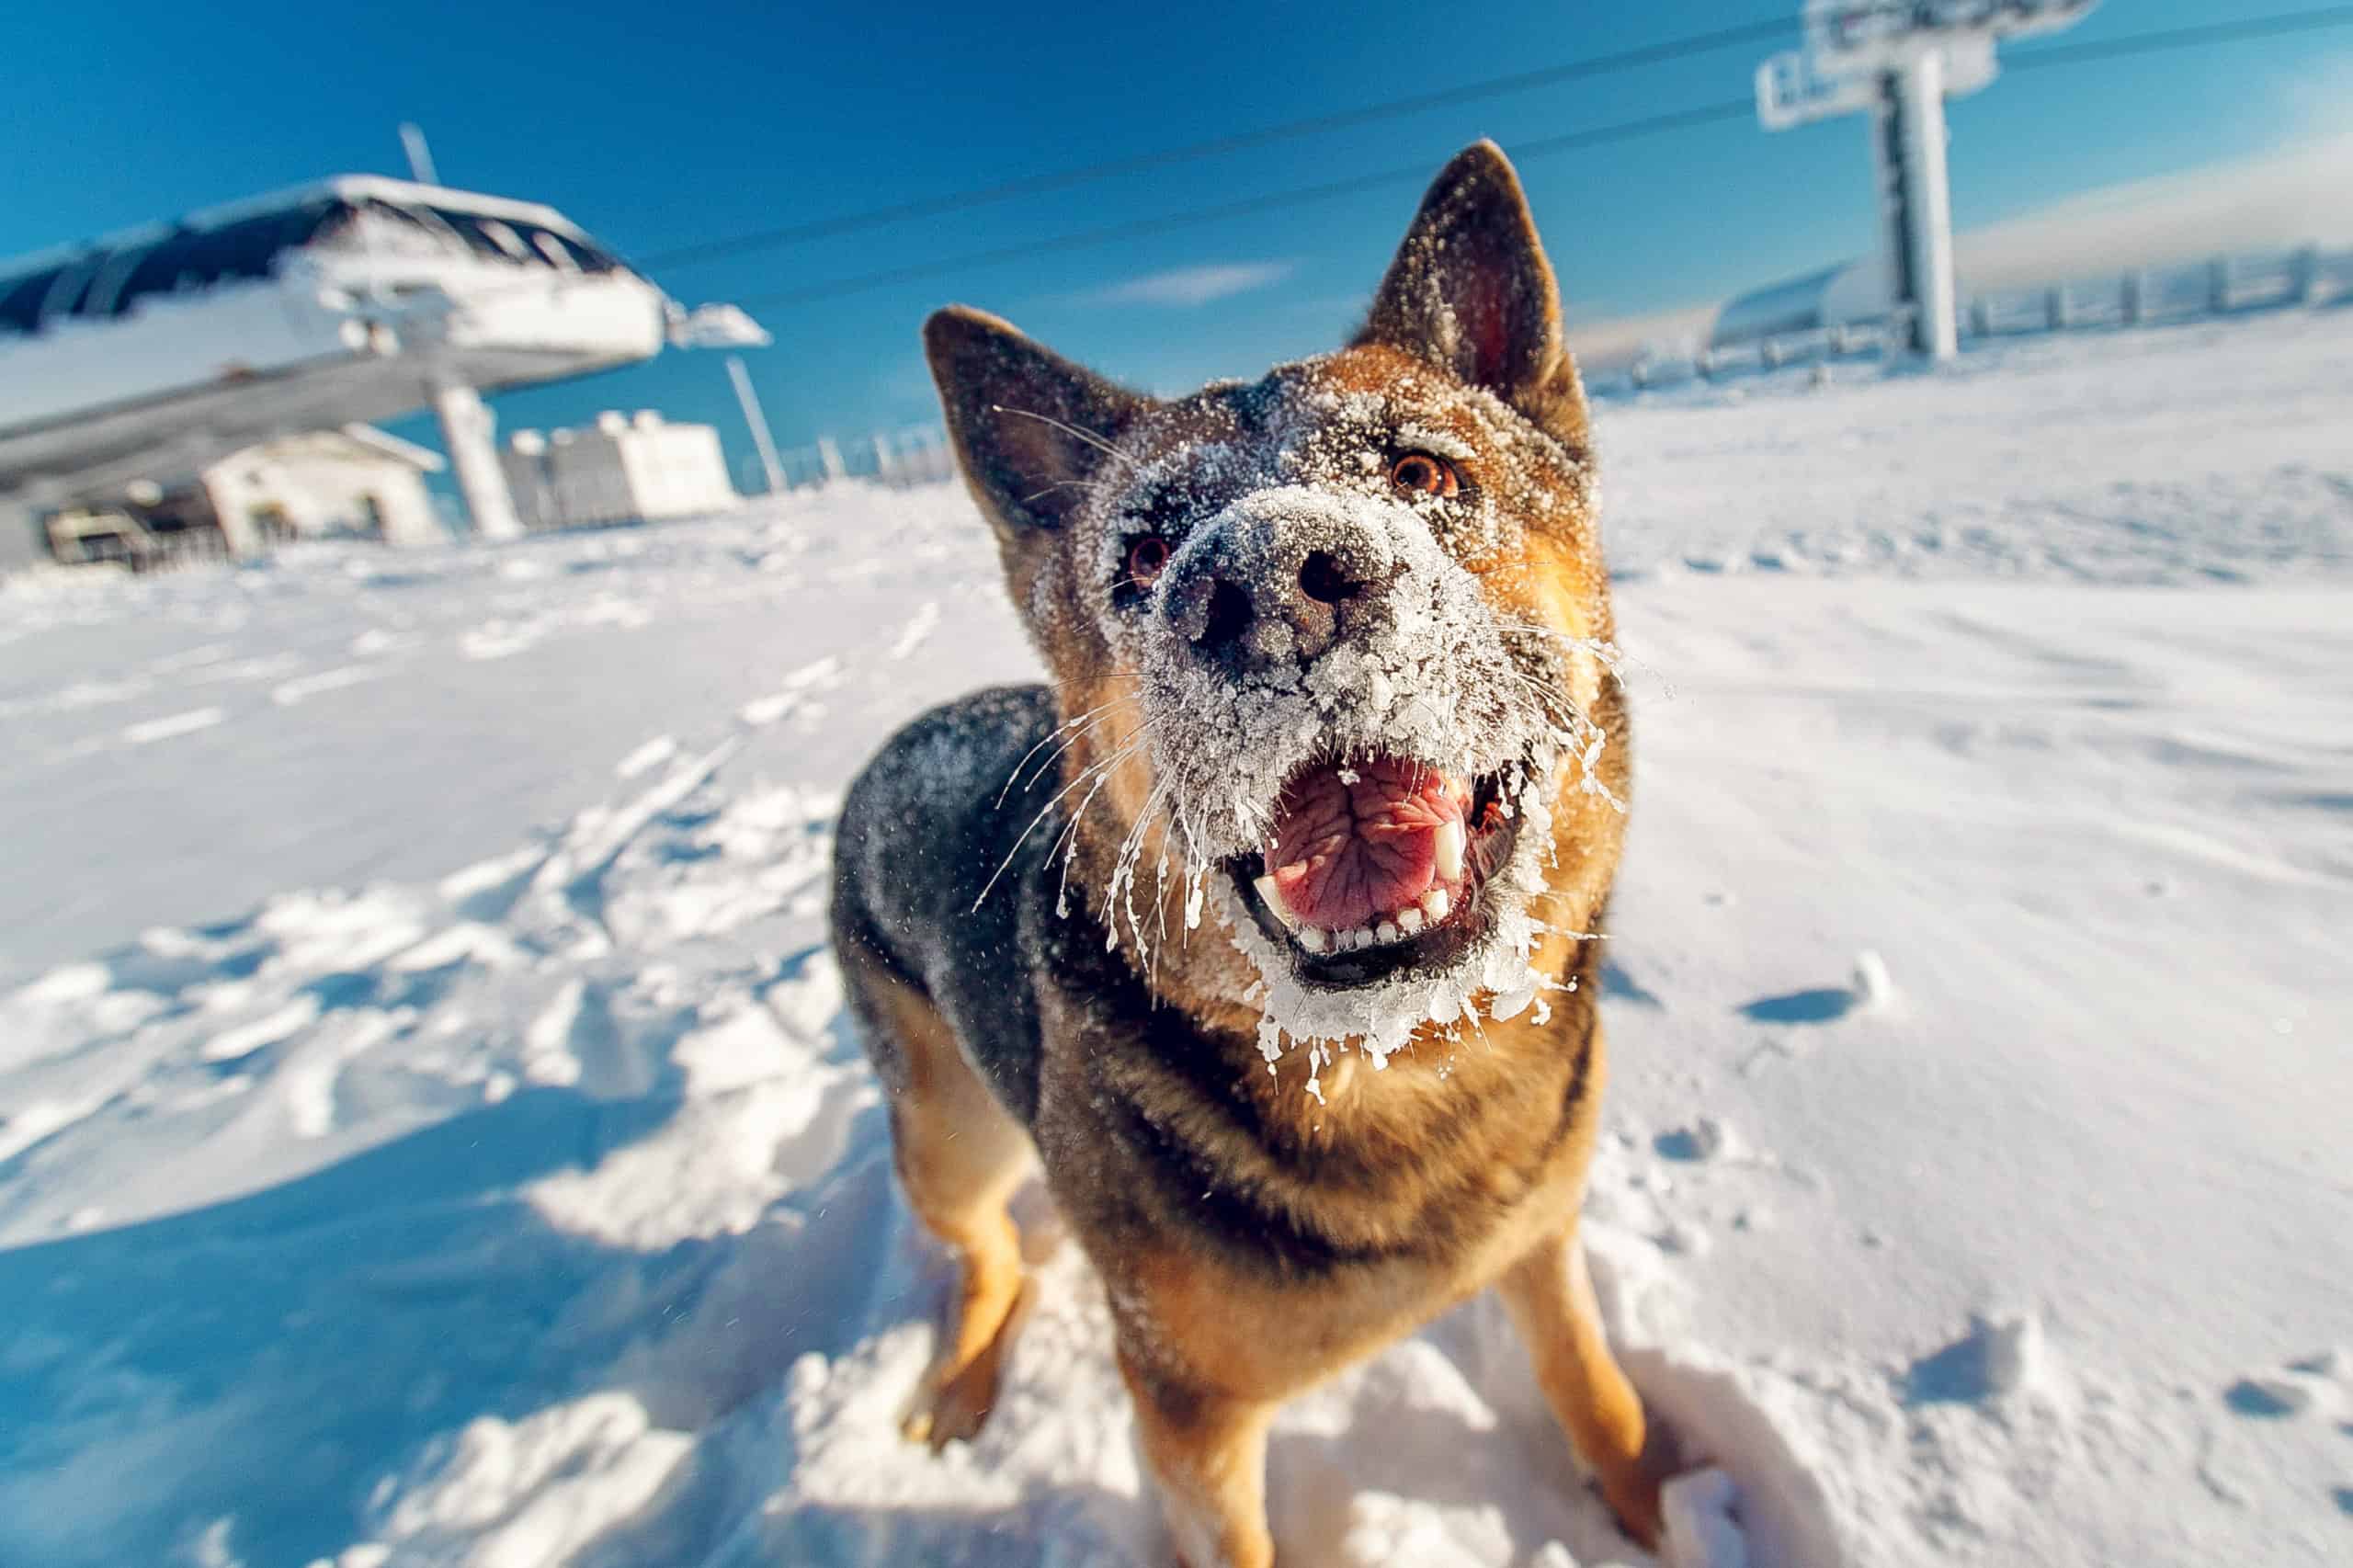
1029 427
1470 292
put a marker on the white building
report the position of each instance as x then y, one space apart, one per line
356 482
619 470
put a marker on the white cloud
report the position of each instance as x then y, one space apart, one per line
1615 342
1186 288
2276 199
2320 103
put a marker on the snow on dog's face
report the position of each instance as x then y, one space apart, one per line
1330 645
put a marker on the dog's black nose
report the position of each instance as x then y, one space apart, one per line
1254 598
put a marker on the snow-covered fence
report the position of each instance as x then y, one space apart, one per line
915 454
2222 284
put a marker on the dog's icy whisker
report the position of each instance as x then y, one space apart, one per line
1066 845
1089 437
1066 725
1059 796
1611 657
1087 734
1091 488
1123 877
1099 772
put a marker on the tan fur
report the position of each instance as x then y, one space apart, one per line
1550 1296
960 1157
1482 1144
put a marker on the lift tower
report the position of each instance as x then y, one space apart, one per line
1899 59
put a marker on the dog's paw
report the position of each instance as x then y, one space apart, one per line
1633 1489
1634 1500
955 1403
956 1410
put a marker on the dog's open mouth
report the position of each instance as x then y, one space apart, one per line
1377 866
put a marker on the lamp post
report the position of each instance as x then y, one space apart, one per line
759 420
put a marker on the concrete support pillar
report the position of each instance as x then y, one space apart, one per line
829 458
468 428
232 510
22 543
1924 191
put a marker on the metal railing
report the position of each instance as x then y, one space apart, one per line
2234 284
915 454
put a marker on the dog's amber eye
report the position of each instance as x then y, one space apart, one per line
1147 558
1424 474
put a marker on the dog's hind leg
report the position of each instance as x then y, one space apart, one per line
1550 1296
960 1157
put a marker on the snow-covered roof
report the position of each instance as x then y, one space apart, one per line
346 188
423 458
350 440
246 240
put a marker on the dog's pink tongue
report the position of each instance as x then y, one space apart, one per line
1353 846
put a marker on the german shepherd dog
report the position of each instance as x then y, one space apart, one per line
1287 971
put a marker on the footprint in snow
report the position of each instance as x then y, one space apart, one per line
1706 1139
1619 985
1995 1357
2315 1383
1869 987
1819 1005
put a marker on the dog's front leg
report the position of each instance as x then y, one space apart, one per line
1550 1296
1207 1454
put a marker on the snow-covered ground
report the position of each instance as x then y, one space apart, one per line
430 1135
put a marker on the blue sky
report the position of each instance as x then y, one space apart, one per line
654 127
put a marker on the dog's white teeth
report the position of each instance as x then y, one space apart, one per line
1266 890
1437 905
1399 928
1449 849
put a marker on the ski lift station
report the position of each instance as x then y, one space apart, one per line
155 353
